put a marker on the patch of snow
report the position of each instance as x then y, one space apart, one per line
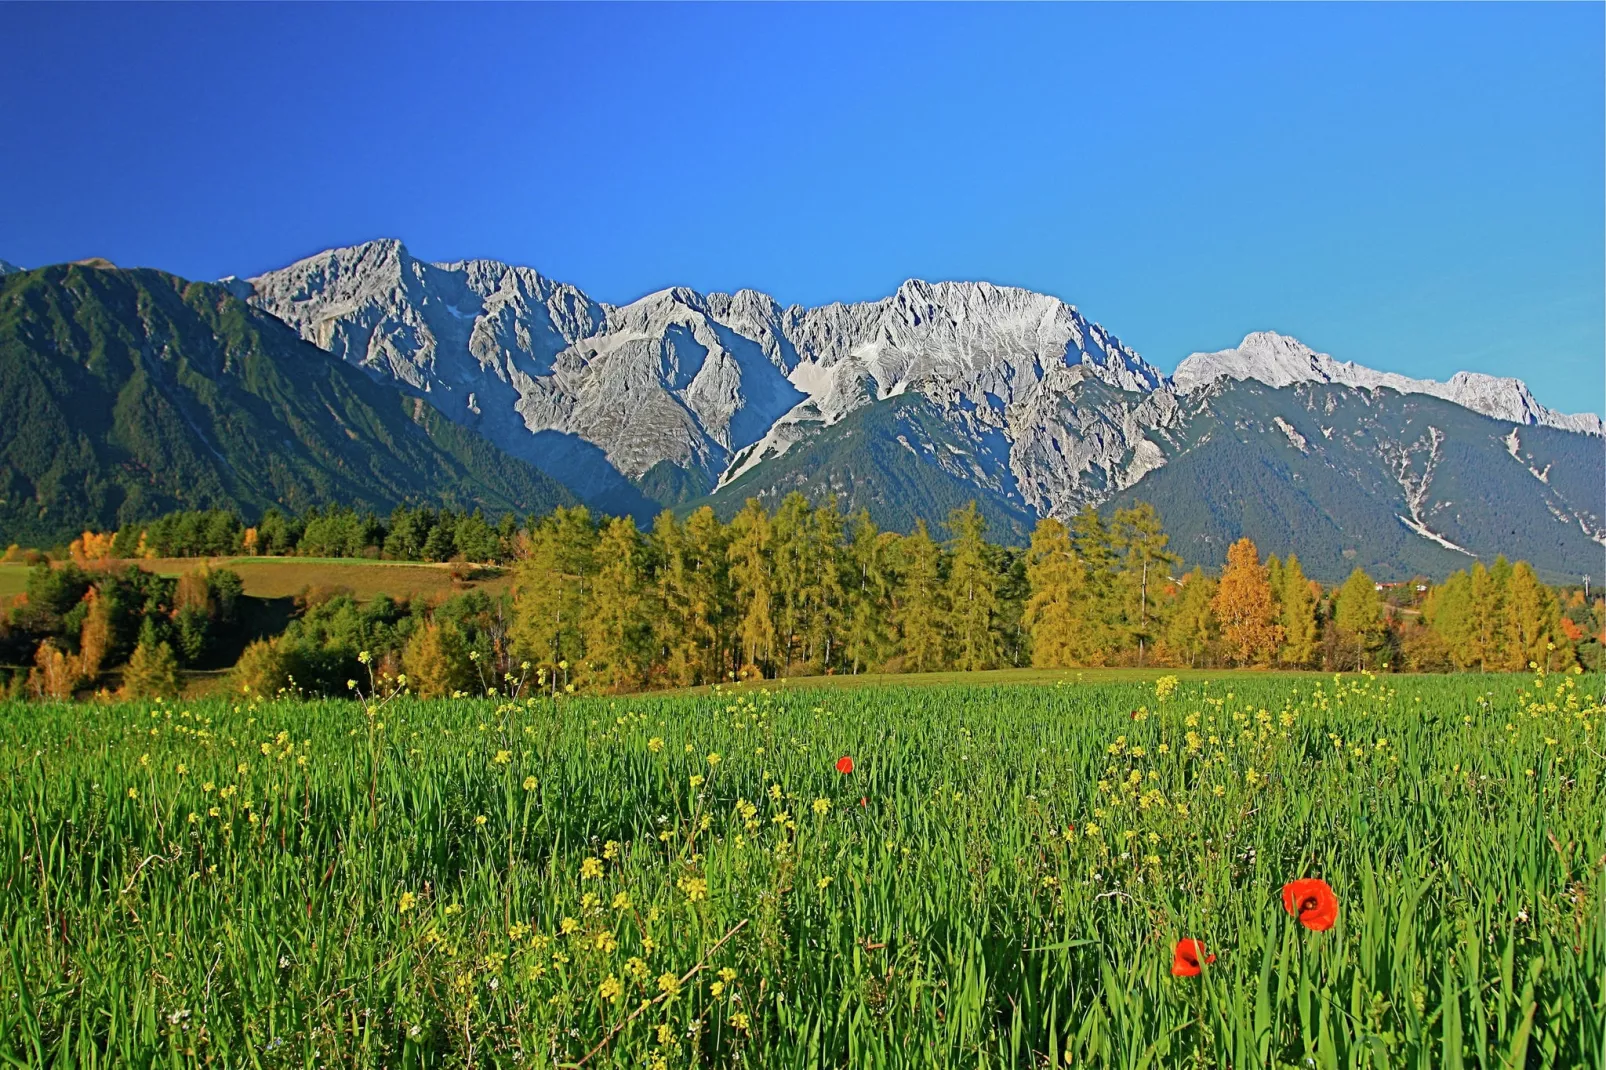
1422 530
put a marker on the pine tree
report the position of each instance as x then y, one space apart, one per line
972 592
920 613
1245 607
1192 629
1358 620
1298 617
1056 579
752 579
617 628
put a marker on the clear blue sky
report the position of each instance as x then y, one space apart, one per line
1418 188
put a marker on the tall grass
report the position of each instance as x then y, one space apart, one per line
689 881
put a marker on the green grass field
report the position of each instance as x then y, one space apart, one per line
667 881
283 577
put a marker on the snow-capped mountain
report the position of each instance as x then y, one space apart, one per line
942 392
1278 360
8 268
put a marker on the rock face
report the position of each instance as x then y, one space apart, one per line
8 268
708 386
1278 360
936 394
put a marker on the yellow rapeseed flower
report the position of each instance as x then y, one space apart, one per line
405 903
591 869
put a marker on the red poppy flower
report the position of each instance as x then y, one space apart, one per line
1311 901
844 765
1189 958
864 801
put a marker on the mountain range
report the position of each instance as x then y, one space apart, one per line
946 392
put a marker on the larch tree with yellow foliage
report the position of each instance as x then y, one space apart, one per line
1055 576
1247 608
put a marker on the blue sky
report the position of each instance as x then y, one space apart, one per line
1419 188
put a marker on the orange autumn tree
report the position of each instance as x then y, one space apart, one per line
1246 607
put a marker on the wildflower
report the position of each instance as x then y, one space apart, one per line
529 783
696 780
1189 958
713 758
405 903
739 1022
610 989
823 883
668 984
503 757
610 850
133 793
621 901
480 819
844 765
822 805
1312 901
591 869
655 744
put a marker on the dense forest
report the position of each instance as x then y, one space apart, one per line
600 605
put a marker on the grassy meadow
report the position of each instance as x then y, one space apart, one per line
689 880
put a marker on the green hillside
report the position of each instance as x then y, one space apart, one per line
127 394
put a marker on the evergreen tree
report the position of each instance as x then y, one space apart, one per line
1245 607
920 614
753 582
972 592
1057 579
1298 617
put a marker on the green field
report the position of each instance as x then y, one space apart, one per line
667 881
284 577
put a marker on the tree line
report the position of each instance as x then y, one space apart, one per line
598 604
407 534
808 590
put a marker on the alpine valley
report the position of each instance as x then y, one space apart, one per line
908 406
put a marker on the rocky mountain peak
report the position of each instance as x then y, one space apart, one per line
1279 360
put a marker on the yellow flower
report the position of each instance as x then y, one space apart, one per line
529 783
716 988
668 984
610 850
611 988
738 1021
822 805
480 819
823 883
696 780
621 901
591 869
568 925
655 744
405 903
133 793
503 757
713 759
